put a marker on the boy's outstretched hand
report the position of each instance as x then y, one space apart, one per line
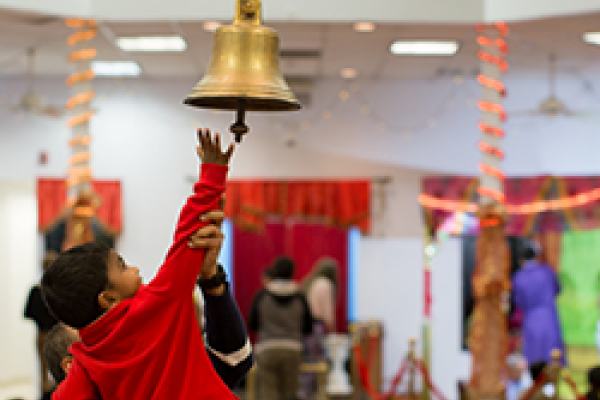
209 149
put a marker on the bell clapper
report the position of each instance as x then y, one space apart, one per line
239 128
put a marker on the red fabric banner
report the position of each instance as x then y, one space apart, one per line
337 203
52 197
254 251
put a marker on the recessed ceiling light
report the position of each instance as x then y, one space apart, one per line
348 73
424 48
592 38
364 26
152 43
212 26
116 68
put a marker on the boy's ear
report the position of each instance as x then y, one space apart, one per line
65 364
108 298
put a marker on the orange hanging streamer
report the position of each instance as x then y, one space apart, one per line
491 193
490 107
79 171
79 158
492 84
492 130
495 108
489 170
80 119
81 36
78 23
80 77
486 148
84 54
80 141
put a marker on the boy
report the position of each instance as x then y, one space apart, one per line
136 340
228 345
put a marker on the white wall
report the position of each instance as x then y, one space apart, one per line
449 362
19 270
390 289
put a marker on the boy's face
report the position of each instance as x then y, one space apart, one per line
123 280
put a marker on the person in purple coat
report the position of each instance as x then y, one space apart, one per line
534 290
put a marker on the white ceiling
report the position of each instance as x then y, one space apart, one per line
340 47
407 92
421 11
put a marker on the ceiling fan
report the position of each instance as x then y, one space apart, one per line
551 106
31 102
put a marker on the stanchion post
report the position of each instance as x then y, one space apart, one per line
555 369
411 371
375 372
427 302
354 330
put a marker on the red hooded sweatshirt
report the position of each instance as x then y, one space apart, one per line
149 347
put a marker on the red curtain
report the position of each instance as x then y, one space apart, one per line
305 243
52 196
336 203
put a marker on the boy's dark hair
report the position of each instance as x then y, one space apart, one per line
71 285
56 349
594 377
536 369
283 268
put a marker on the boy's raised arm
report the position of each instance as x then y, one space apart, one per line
182 264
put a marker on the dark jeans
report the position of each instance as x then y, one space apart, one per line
278 371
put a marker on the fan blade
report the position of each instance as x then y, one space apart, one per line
523 113
53 111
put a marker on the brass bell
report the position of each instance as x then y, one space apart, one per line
244 74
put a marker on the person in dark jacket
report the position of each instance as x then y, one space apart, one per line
36 310
282 318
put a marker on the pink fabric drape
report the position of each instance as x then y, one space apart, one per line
522 190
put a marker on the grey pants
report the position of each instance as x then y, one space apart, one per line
278 371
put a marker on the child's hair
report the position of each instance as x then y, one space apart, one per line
56 349
71 285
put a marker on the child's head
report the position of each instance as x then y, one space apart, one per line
85 281
594 378
56 350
